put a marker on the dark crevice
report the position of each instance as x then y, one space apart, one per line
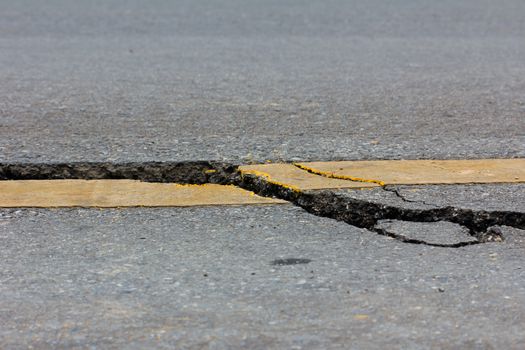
366 214
400 196
357 212
198 172
402 238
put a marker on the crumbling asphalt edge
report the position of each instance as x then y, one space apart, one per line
357 212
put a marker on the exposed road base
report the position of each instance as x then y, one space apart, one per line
192 172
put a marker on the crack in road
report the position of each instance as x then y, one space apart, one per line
399 195
191 172
326 203
404 239
332 175
367 213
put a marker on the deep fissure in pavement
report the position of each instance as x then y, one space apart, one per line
357 212
366 214
400 196
198 172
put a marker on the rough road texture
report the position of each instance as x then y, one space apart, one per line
207 278
254 80
190 82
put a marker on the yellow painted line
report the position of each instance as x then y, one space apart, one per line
291 177
331 175
423 172
121 193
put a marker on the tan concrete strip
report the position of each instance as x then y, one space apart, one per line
290 176
420 172
121 193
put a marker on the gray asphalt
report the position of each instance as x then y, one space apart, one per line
488 197
206 278
251 81
440 232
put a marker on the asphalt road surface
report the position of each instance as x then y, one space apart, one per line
225 277
251 81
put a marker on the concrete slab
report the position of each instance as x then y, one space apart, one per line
121 193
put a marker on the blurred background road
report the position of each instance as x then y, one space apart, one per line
261 80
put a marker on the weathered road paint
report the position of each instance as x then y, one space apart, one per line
422 172
121 193
290 176
298 177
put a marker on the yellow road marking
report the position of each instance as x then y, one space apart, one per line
291 177
121 193
334 176
421 172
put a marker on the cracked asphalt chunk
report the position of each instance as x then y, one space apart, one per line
477 206
84 277
489 197
440 233
365 207
384 196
